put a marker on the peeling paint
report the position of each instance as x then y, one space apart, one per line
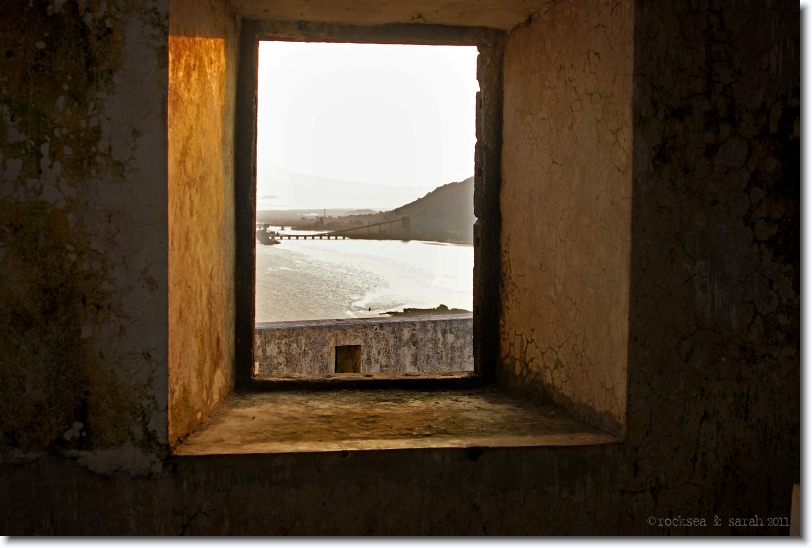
65 357
126 458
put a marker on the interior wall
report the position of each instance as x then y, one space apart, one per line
83 283
566 207
713 421
203 57
499 14
714 325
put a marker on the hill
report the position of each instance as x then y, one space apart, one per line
446 214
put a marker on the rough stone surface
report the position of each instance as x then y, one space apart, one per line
203 52
566 207
500 14
428 343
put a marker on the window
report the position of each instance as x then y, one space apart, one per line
486 177
365 160
433 411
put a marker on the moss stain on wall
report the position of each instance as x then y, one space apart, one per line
62 299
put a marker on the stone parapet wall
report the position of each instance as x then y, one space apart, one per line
404 344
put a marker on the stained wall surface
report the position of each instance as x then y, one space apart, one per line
714 326
83 225
713 398
203 49
566 207
428 343
501 14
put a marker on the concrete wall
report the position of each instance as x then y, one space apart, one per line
83 232
714 326
203 55
566 207
713 368
430 343
501 14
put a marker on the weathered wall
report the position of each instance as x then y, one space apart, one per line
500 14
430 343
713 421
203 50
415 492
714 333
566 207
83 231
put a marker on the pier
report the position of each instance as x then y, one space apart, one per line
404 222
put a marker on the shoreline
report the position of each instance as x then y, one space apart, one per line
402 237
440 310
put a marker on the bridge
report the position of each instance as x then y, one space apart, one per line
405 224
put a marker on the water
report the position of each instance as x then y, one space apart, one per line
335 279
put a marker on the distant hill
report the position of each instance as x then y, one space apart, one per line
289 217
445 214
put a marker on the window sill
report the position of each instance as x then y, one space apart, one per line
414 380
371 419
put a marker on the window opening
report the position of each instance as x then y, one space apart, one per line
364 205
348 358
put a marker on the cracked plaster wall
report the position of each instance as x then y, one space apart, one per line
566 207
83 230
203 49
714 320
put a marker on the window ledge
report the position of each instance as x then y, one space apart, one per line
413 380
353 420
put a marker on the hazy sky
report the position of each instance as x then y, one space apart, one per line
382 114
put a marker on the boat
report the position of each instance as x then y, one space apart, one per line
266 236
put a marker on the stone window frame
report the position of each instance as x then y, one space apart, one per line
487 176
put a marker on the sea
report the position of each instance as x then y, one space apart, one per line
340 279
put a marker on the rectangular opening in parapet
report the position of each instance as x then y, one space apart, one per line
364 204
348 358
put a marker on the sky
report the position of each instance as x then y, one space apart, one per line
395 115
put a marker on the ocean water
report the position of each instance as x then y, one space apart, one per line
335 279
